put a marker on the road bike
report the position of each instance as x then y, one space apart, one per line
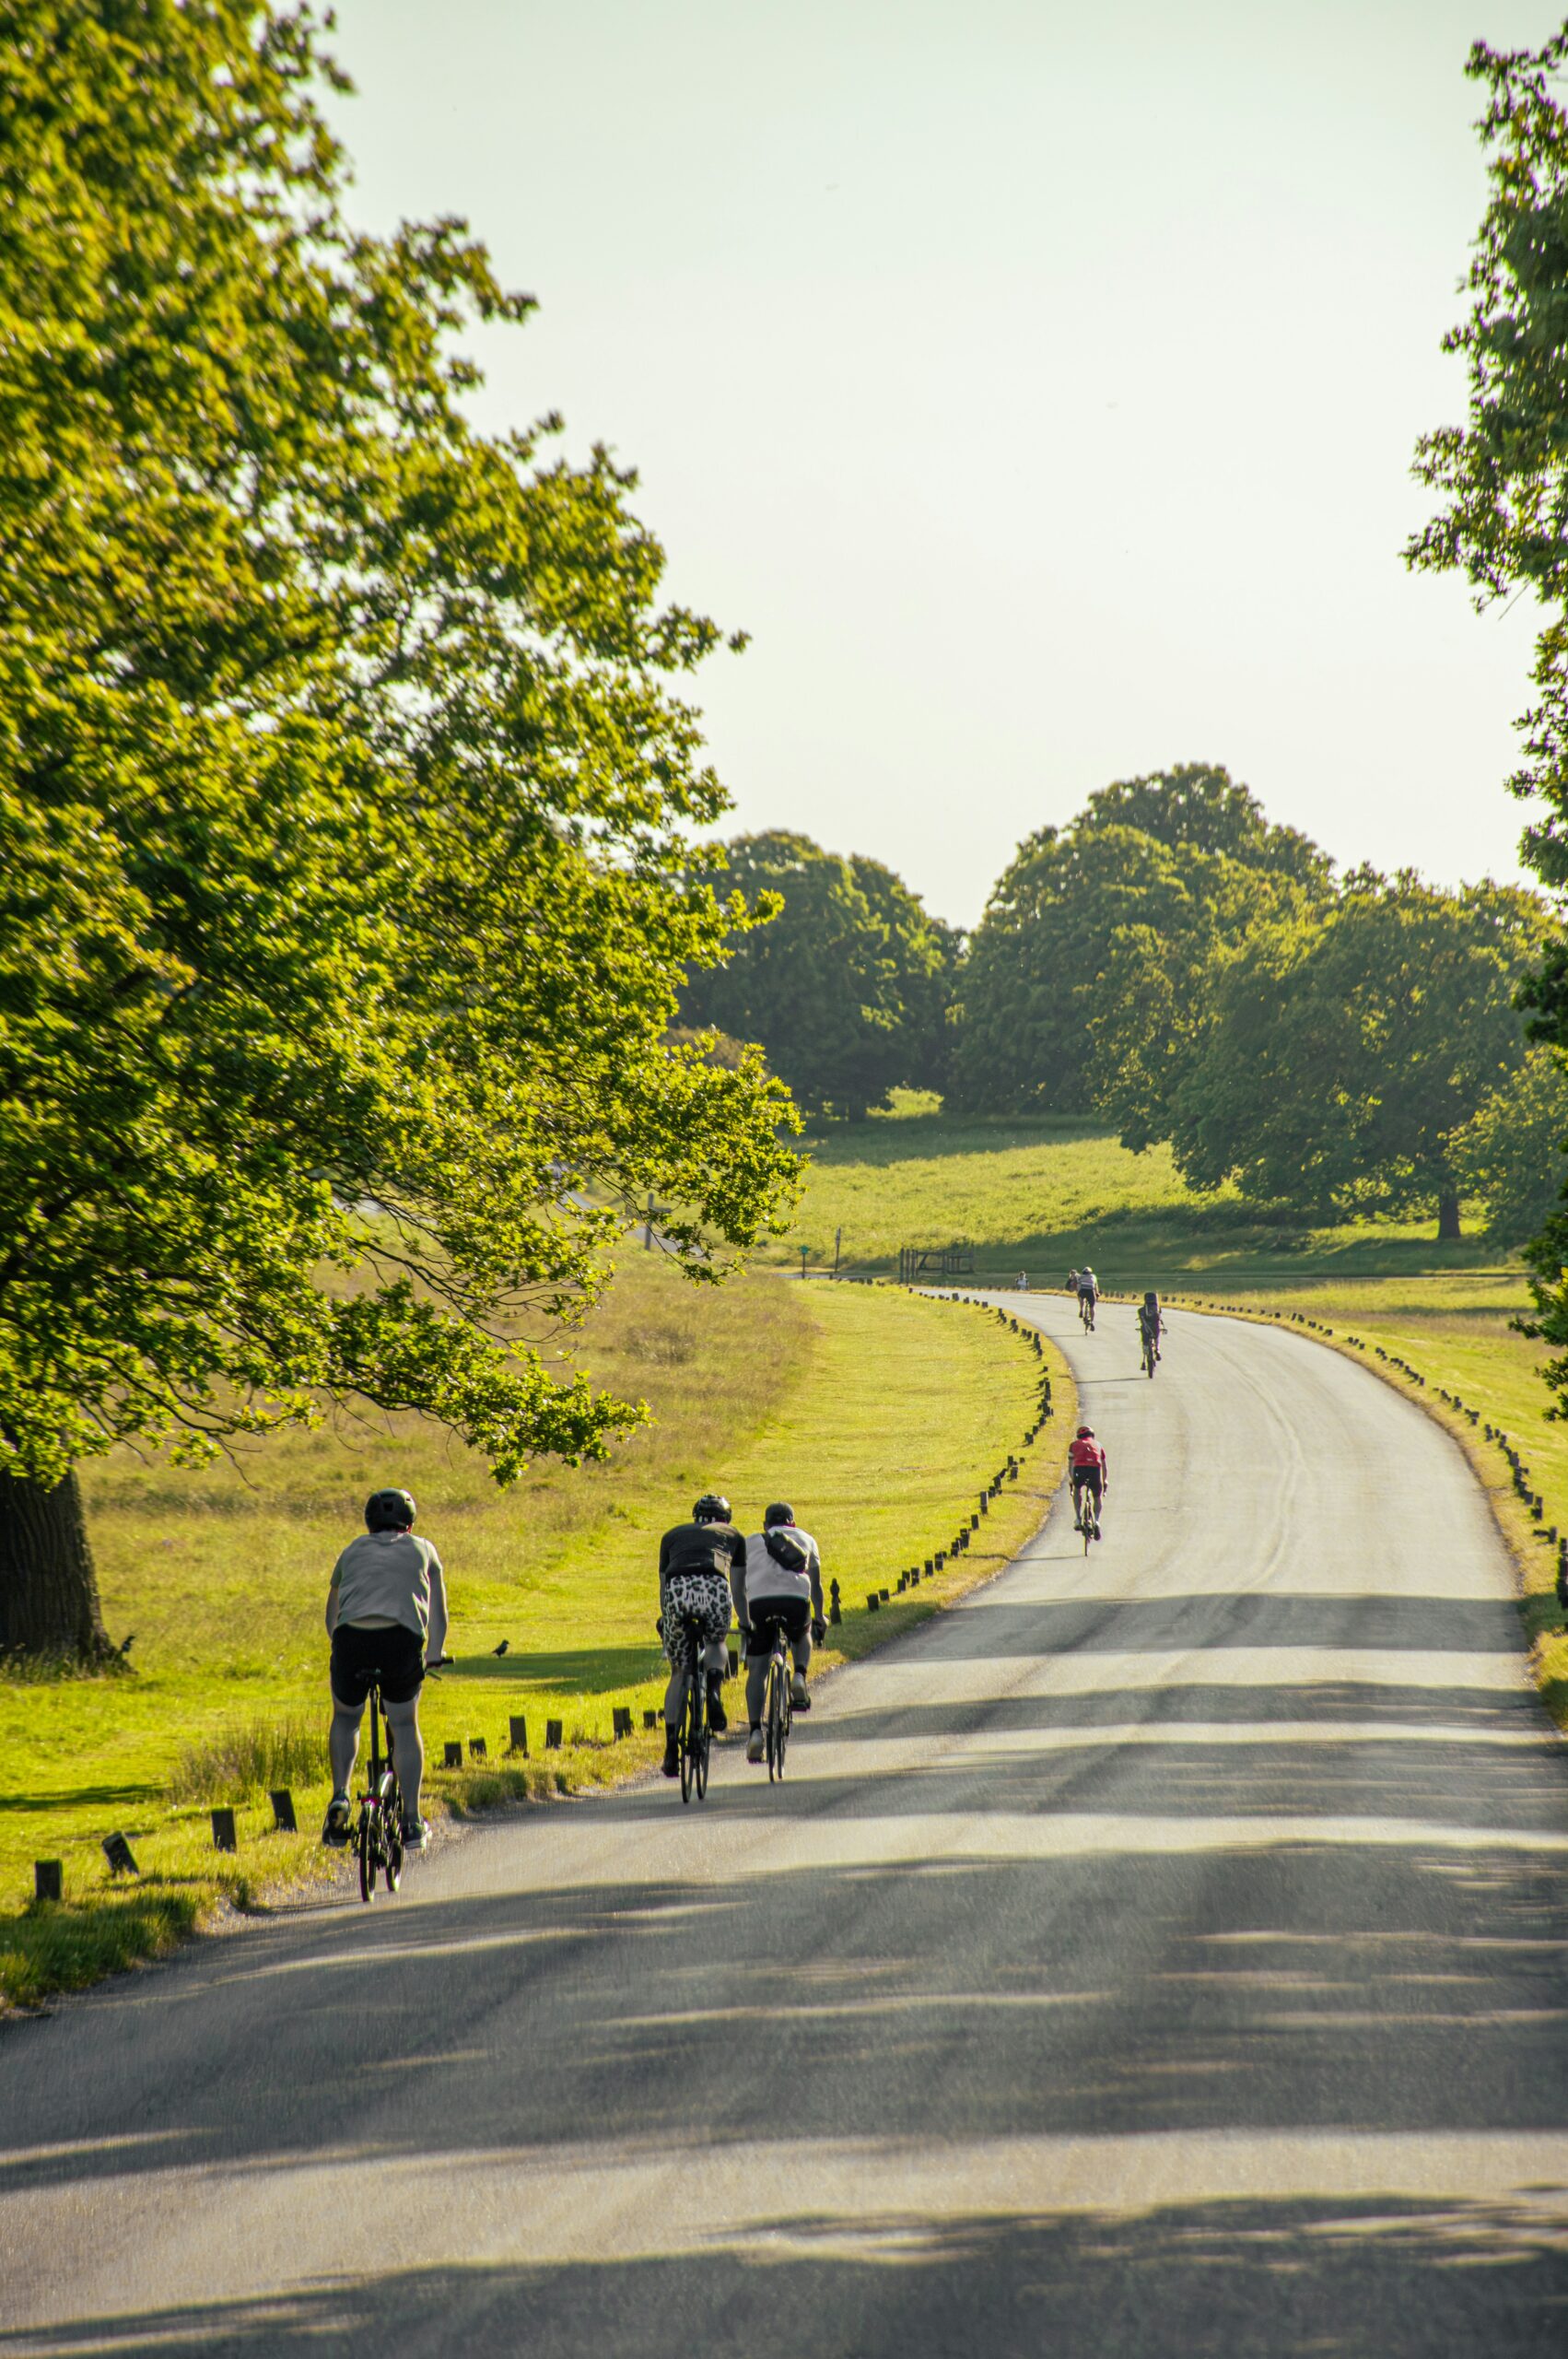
694 1737
378 1836
779 1704
1086 1508
1086 1313
1151 1355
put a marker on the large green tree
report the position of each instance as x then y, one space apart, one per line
343 807
1081 988
1348 1050
847 988
1511 1152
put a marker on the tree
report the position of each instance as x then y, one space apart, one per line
1348 1050
1504 479
1080 985
1511 1150
847 986
342 809
1503 475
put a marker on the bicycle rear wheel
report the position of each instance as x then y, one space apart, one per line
704 1747
776 1729
391 1837
366 1849
686 1744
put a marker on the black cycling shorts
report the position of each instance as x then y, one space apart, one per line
1089 1476
794 1613
360 1655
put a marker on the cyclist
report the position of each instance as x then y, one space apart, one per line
1151 1326
780 1584
696 1560
1090 1478
387 1620
1088 1292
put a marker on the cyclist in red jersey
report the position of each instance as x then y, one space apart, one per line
1087 1465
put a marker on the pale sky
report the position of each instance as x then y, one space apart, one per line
1037 383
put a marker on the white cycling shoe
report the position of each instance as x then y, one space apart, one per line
753 1745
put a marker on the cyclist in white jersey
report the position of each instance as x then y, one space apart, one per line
779 1586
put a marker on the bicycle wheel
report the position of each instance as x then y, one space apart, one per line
366 1849
391 1837
684 1741
1087 1513
704 1748
776 1731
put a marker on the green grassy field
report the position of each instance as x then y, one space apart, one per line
1046 1195
876 1413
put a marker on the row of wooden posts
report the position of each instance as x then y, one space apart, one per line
959 1545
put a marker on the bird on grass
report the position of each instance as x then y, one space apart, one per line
127 1644
502 1647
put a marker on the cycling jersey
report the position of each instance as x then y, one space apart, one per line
761 1576
389 1577
1085 1457
1086 1284
700 1549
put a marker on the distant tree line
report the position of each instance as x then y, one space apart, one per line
1176 963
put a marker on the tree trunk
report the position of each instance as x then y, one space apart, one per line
1449 1230
48 1587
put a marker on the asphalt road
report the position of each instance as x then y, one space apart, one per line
1162 1953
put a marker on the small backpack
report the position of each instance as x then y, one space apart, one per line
784 1546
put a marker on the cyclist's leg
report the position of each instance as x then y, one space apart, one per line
403 1732
343 1741
800 1628
349 1687
759 1647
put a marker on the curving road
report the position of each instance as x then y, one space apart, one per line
1159 1954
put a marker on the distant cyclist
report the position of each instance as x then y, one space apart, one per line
1021 1282
1088 1296
1151 1326
1090 1478
779 1587
387 1618
696 1560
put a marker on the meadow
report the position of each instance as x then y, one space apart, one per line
876 1413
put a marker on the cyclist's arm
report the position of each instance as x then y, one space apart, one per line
332 1606
814 1568
738 1588
436 1640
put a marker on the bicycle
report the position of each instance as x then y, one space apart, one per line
1151 1355
1086 1313
694 1737
779 1704
379 1837
1087 1514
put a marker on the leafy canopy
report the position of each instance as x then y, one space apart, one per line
1502 476
1083 979
847 988
344 797
1346 1051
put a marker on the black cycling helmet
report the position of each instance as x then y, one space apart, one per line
389 1512
711 1509
776 1513
1151 1296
